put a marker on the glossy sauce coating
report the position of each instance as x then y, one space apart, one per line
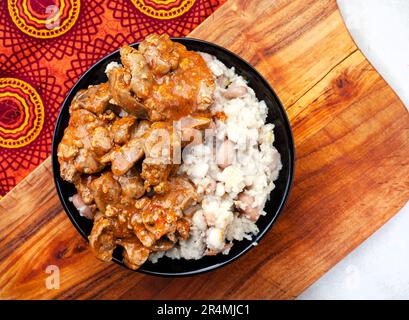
111 147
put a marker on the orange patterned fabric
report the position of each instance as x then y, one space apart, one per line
46 45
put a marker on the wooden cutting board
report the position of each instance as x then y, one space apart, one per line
352 174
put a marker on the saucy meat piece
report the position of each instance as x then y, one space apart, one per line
146 237
160 213
140 130
84 199
190 127
122 227
170 81
160 142
157 218
183 228
105 190
186 90
124 158
83 142
157 142
101 239
107 233
161 53
114 196
131 186
163 142
83 187
101 141
119 79
182 196
156 176
84 210
121 129
134 253
142 78
94 99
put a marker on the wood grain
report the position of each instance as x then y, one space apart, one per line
352 172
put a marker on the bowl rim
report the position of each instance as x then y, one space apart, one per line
257 237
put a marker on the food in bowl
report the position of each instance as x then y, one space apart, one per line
171 157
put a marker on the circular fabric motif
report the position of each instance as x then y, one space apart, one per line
140 24
163 9
33 87
21 113
44 18
88 24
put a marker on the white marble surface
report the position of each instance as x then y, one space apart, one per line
380 28
379 268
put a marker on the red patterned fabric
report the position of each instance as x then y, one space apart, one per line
46 45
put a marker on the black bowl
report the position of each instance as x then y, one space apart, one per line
283 142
